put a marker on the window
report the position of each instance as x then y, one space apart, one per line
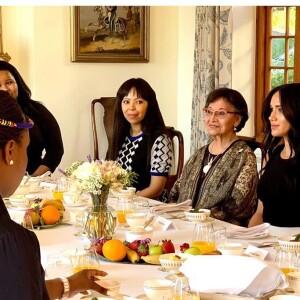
277 52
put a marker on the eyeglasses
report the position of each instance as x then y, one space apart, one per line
12 124
219 114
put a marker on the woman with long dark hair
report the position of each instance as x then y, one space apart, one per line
279 185
140 138
46 146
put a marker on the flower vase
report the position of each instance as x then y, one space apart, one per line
100 221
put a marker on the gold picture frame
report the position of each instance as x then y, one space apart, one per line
110 34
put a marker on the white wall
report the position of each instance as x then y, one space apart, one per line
38 39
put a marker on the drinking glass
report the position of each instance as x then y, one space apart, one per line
179 290
220 235
124 206
59 265
85 260
141 205
204 238
286 261
61 186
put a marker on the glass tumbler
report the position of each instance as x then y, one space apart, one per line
286 261
204 238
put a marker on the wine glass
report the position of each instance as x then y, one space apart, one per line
59 265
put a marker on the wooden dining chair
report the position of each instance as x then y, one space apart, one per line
108 104
108 121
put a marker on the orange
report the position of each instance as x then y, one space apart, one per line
114 250
50 215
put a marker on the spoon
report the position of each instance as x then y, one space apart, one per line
149 221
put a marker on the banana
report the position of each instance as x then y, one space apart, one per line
57 203
132 256
151 259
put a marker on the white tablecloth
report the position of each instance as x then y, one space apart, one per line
131 276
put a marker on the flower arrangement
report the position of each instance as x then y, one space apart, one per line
99 175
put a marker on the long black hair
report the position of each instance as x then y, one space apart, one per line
289 95
152 124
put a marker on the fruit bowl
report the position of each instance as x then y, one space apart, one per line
173 261
288 243
197 216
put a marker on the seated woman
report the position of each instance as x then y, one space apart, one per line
45 135
279 185
222 175
21 274
141 142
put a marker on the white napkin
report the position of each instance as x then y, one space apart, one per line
186 205
248 233
230 274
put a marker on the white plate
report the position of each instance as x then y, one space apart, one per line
10 206
245 237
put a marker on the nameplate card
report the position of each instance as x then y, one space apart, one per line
161 223
256 252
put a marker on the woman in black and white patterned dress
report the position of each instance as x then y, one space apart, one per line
141 142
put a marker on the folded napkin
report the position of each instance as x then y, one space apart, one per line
249 233
233 275
163 208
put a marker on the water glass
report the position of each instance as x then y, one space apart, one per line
220 235
141 205
59 265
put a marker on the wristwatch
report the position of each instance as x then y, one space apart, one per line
66 291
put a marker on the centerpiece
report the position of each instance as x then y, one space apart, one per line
97 177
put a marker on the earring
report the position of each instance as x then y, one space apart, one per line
11 162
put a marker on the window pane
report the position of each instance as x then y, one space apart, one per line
290 76
291 52
277 77
278 52
292 20
278 21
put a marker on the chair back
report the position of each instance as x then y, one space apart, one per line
108 104
177 167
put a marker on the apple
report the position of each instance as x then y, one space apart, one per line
155 249
193 250
34 214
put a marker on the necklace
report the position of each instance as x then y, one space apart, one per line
207 167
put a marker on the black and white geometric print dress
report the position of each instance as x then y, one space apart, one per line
132 157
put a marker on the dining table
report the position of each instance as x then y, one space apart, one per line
66 236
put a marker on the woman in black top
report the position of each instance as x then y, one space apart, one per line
45 135
21 272
279 185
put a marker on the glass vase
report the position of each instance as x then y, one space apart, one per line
100 222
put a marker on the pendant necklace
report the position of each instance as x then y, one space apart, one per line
207 167
209 163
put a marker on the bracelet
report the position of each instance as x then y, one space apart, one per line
66 284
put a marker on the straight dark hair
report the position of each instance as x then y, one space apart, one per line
153 124
289 95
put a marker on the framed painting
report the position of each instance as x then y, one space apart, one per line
110 34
